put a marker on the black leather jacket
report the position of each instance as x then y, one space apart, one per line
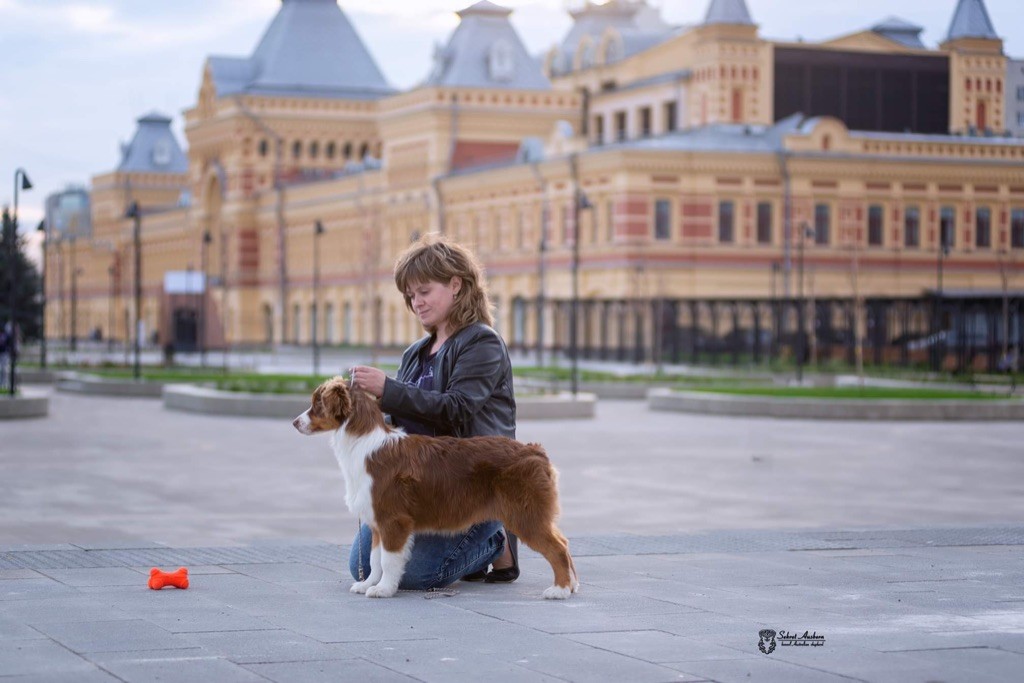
472 394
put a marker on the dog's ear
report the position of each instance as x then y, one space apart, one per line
336 400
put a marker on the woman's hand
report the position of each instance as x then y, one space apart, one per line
370 380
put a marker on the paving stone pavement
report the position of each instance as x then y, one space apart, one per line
897 605
901 545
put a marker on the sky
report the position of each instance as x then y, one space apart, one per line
78 73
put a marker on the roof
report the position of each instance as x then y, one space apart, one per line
640 26
728 12
900 31
486 52
310 49
153 148
971 20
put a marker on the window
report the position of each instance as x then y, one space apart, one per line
764 223
645 121
296 149
662 219
1017 228
983 228
822 223
599 129
912 227
331 150
314 149
670 116
502 64
347 151
620 126
264 148
725 222
876 218
1020 93
1020 119
947 226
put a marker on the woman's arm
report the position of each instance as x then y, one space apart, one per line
475 373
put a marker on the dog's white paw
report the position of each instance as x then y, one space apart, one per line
359 587
557 593
380 591
575 586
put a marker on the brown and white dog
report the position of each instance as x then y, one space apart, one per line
401 484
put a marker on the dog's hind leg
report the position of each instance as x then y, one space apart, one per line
396 542
555 548
375 566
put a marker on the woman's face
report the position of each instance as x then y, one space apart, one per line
432 301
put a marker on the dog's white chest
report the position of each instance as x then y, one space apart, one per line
352 453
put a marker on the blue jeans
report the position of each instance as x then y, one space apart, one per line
438 560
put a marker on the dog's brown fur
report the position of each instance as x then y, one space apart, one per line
423 483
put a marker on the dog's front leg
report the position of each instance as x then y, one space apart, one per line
375 567
393 558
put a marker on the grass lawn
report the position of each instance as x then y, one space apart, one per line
864 393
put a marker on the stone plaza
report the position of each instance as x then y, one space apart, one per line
872 551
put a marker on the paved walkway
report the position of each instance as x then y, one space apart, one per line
901 544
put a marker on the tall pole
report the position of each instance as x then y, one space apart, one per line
574 350
542 247
42 323
938 347
111 271
204 264
135 213
12 252
318 229
800 342
74 296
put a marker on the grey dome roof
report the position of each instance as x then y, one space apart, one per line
486 52
310 49
153 148
971 20
728 12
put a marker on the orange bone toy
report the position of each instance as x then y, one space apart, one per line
159 579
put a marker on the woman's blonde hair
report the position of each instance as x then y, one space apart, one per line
434 258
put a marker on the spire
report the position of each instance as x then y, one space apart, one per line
728 12
971 20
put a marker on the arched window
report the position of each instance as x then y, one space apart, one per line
296 149
264 148
363 151
314 149
331 150
501 61
347 153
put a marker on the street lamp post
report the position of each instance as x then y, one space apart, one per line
579 202
938 347
12 252
111 273
204 264
135 213
318 230
801 344
42 323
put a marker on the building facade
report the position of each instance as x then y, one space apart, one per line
667 162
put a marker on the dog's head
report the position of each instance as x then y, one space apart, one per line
330 407
334 404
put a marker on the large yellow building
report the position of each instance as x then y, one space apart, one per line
679 164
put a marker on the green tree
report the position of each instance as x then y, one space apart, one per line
26 282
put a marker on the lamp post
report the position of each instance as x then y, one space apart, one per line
938 347
204 264
111 273
318 230
75 272
41 228
12 252
801 344
135 213
579 202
